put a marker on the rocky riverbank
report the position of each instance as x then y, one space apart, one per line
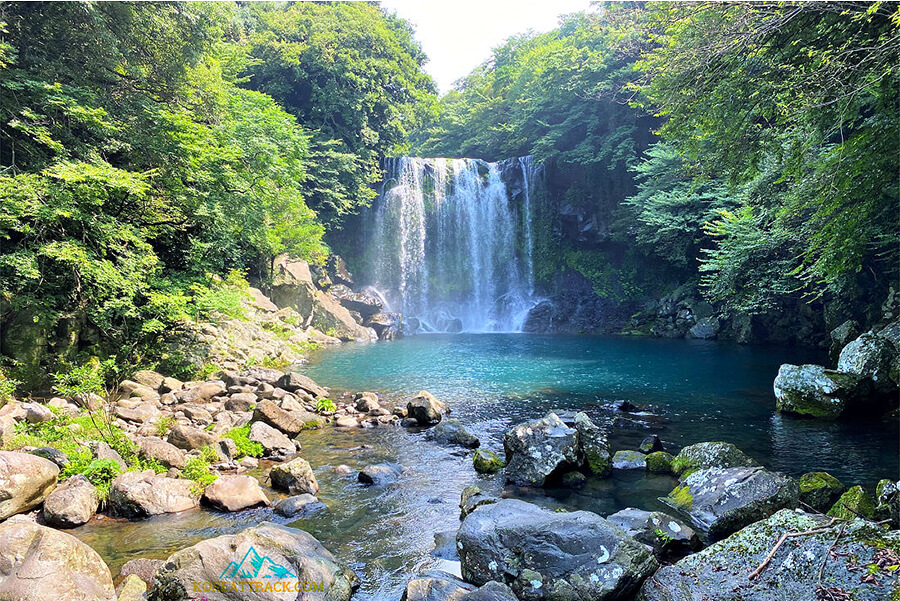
166 446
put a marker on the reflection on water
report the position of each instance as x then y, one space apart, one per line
697 390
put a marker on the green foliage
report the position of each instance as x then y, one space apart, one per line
245 446
164 425
197 469
325 406
101 473
84 381
7 387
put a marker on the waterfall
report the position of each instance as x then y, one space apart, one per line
443 247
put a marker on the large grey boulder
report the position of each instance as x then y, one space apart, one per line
298 505
841 336
292 382
158 449
451 431
705 455
234 493
25 481
629 460
871 357
292 285
42 564
815 391
537 449
189 437
142 494
594 445
721 501
273 442
328 315
267 553
380 474
548 555
842 552
425 408
295 476
71 504
270 413
436 587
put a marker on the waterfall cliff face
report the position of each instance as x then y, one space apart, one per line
447 245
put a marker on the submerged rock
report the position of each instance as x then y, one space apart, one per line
380 474
814 391
487 462
594 445
820 490
537 449
472 498
25 481
42 564
705 455
451 431
299 505
660 462
269 553
71 504
721 501
651 444
721 572
547 555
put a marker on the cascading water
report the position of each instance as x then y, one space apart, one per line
443 245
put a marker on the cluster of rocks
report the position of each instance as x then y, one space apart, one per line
723 499
866 383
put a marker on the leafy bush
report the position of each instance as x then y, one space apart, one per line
245 446
101 473
197 469
325 406
7 387
164 424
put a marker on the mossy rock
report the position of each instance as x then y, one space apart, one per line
854 503
887 501
682 498
487 462
820 490
660 462
705 455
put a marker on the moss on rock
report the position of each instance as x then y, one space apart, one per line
820 490
660 462
487 462
854 503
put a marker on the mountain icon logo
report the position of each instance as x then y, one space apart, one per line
254 565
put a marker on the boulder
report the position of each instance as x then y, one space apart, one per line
535 450
857 502
887 501
298 506
142 414
451 431
366 401
660 462
328 315
388 326
132 589
292 285
270 413
661 532
433 588
242 401
870 357
487 462
839 552
380 474
55 455
42 564
36 413
491 591
145 569
292 382
189 437
266 553
629 460
814 391
201 393
366 305
274 443
841 336
594 445
472 498
721 501
706 328
148 378
141 494
159 450
820 490
25 481
234 493
425 409
549 555
133 389
705 455
295 477
170 385
651 444
104 451
71 504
